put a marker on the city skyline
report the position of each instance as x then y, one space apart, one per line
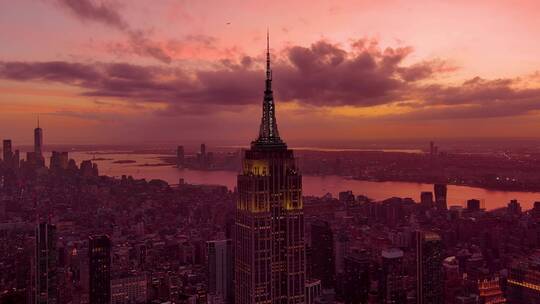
142 160
132 72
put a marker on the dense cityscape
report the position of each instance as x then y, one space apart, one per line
71 235
505 169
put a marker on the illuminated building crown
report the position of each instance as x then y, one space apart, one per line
268 133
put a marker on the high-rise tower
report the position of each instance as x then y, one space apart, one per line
269 234
322 256
440 191
7 152
38 145
220 270
392 288
46 277
99 258
429 269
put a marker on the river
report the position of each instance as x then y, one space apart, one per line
312 185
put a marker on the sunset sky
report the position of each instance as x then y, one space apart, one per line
131 71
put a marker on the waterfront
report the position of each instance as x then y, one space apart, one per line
149 166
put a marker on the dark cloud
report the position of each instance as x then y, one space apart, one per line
478 91
424 70
474 98
145 83
89 10
141 45
323 74
493 110
59 71
138 41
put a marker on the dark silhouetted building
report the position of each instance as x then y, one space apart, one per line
59 160
202 157
346 197
46 259
16 160
355 281
7 153
89 169
392 277
322 255
180 156
536 210
269 236
429 268
433 149
99 258
473 205
341 248
426 199
38 146
220 270
514 208
440 191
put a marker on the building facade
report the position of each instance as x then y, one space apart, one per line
269 234
392 280
129 289
523 282
99 258
46 257
429 268
38 146
220 269
322 256
355 280
440 191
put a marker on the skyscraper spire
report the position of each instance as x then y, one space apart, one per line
268 70
268 133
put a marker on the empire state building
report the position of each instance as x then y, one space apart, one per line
269 233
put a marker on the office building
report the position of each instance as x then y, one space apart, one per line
269 236
473 205
220 270
341 248
440 191
99 258
127 289
59 160
429 268
523 283
514 208
38 146
46 256
322 255
392 277
180 156
355 283
7 153
426 199
16 159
